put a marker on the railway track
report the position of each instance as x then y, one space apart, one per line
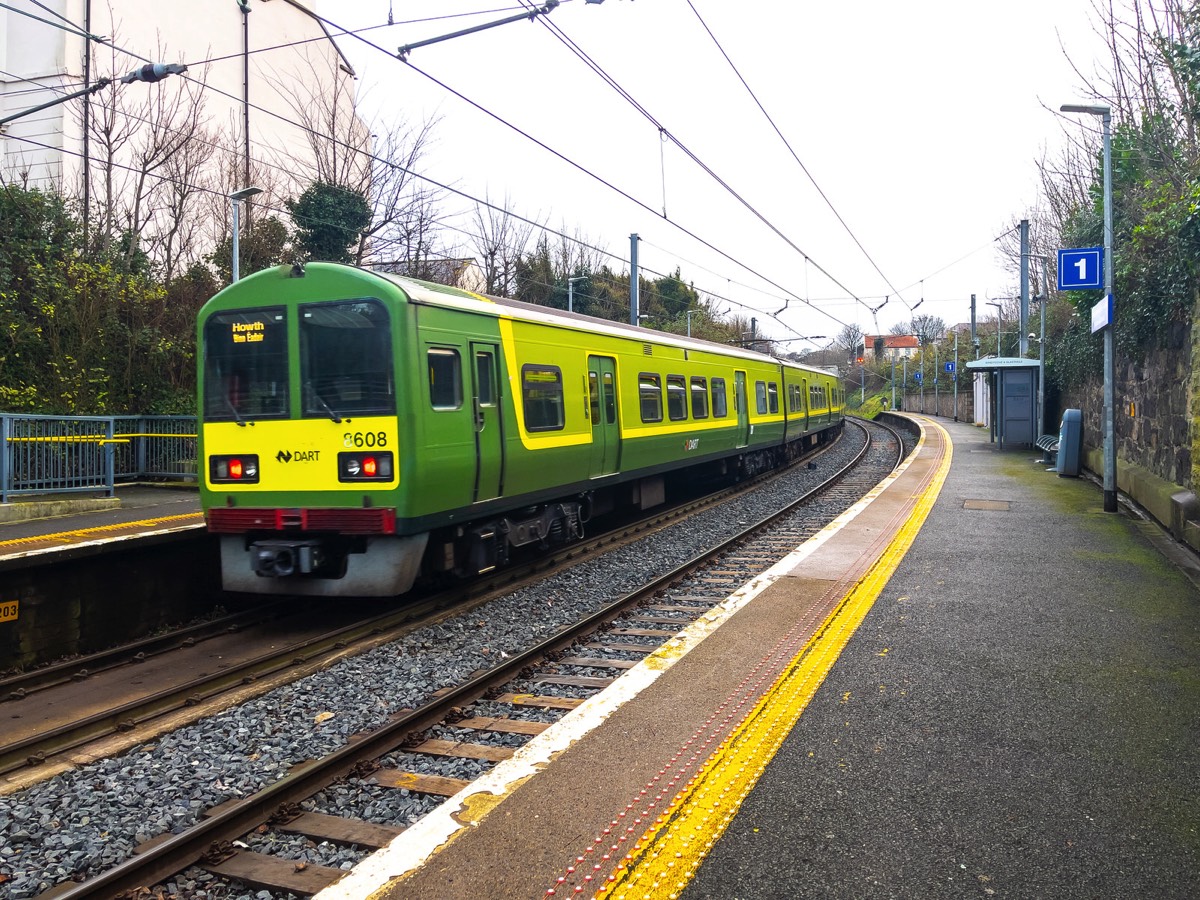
513 700
124 721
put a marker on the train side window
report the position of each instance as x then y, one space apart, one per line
594 397
445 378
760 397
772 397
610 399
676 398
483 379
542 391
720 399
699 398
650 394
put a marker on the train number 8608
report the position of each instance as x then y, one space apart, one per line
364 439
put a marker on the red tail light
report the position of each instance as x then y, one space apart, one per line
230 469
376 466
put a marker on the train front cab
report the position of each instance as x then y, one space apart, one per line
299 432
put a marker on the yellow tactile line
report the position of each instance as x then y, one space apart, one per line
671 850
85 532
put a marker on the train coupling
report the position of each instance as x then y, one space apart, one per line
281 558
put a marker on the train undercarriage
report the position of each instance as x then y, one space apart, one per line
291 559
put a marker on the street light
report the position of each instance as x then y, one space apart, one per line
1110 423
999 310
235 200
1045 300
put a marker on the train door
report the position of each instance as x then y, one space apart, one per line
743 409
489 442
805 401
602 408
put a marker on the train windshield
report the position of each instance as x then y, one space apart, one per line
246 365
346 359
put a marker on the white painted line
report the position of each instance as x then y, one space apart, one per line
466 809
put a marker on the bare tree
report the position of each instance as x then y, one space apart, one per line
381 166
150 153
850 339
406 208
500 240
928 329
338 141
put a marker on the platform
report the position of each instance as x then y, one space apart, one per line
975 683
37 525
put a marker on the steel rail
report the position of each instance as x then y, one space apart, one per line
37 749
21 685
166 857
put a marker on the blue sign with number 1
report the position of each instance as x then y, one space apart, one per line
1081 269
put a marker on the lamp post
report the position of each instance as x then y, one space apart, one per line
1110 424
1045 300
235 199
999 310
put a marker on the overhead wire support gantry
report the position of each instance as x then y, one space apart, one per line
543 10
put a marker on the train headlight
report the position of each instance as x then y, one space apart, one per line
241 468
374 465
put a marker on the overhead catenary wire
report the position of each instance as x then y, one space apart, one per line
348 32
793 153
667 135
69 27
527 136
467 196
200 188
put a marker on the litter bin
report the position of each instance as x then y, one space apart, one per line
1070 443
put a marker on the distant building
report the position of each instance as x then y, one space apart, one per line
159 159
895 346
246 82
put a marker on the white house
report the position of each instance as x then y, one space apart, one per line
262 76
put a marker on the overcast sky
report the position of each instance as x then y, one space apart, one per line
920 122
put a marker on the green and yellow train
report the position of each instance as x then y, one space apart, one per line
358 430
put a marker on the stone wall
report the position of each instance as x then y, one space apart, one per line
1153 399
942 405
77 604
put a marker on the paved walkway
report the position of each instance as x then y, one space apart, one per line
48 523
1017 715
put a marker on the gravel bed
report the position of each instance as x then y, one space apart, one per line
81 822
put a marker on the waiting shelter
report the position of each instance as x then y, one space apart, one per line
1015 393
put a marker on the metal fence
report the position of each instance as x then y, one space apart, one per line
62 454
